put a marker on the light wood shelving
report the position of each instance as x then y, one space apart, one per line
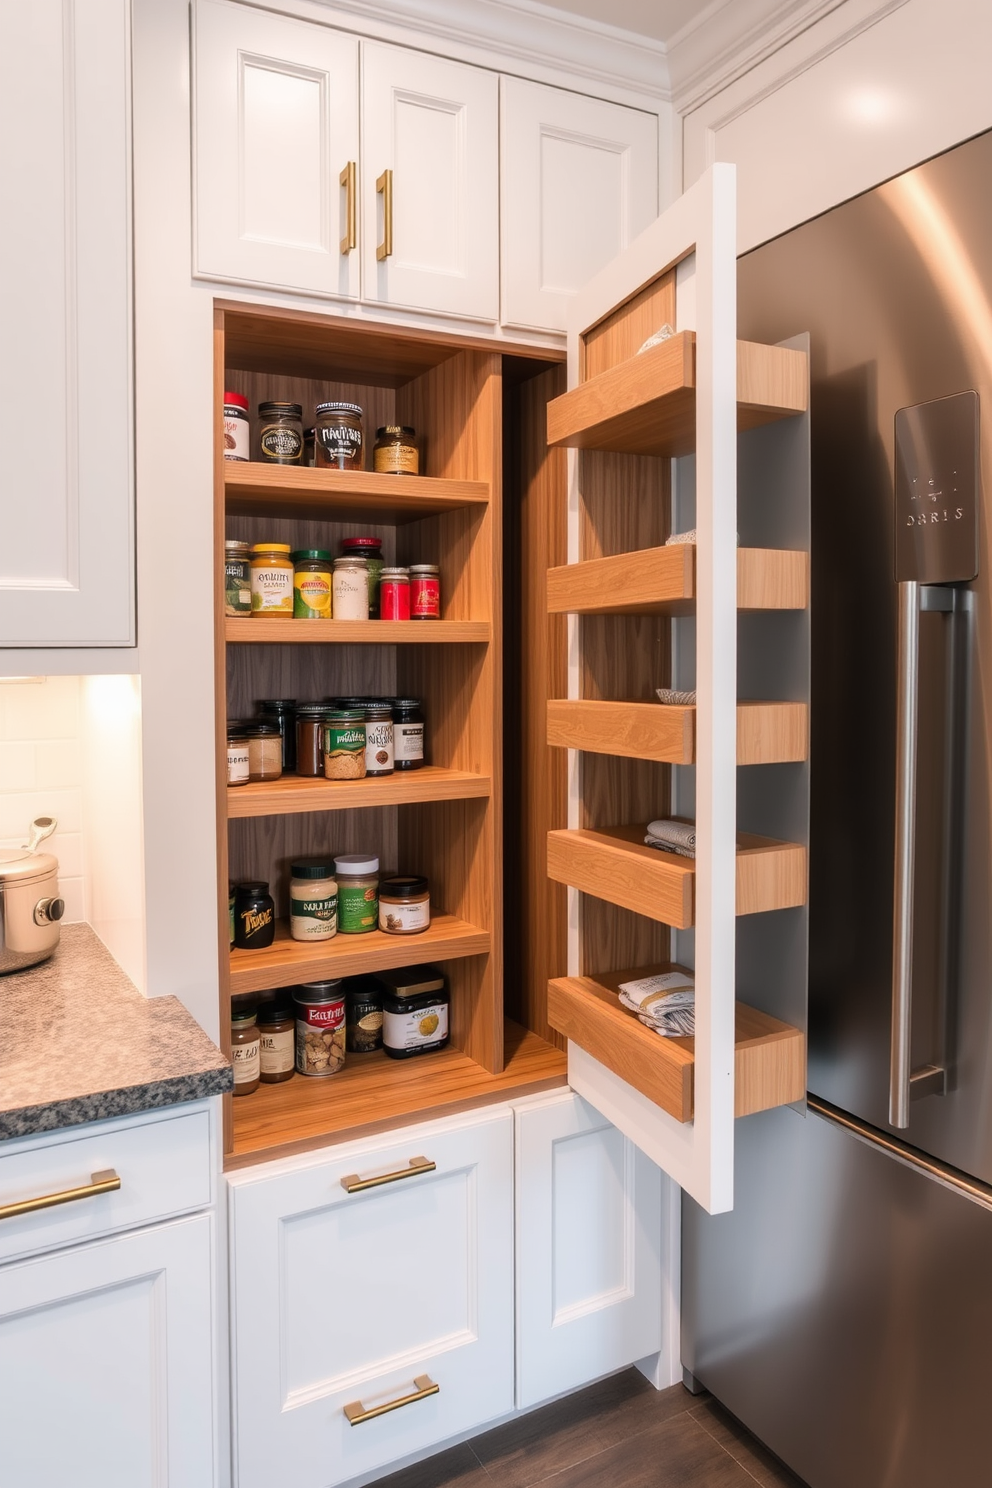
254 631
252 488
662 581
767 733
293 793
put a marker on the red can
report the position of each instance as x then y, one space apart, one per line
394 594
425 591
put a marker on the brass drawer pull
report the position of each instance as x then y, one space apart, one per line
425 1386
384 185
347 180
355 1183
105 1181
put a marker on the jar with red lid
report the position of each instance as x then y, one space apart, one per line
394 594
425 591
369 548
236 427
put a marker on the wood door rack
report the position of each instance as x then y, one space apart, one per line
767 733
662 581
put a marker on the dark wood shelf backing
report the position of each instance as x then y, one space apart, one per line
254 630
767 733
292 793
662 581
252 488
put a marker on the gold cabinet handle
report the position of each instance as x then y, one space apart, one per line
354 1183
347 179
105 1181
423 1386
384 187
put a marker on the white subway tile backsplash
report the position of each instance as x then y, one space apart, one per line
18 765
40 710
59 763
73 891
19 809
68 848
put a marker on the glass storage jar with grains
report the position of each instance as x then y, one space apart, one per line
344 744
310 719
280 433
245 1050
282 711
264 749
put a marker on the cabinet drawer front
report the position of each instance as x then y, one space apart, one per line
163 1164
350 1299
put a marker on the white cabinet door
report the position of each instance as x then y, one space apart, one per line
66 493
341 1298
579 181
275 127
106 1368
589 1257
430 139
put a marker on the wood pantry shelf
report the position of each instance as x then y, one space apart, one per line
647 404
357 632
663 581
769 1056
767 733
293 793
251 488
615 864
288 961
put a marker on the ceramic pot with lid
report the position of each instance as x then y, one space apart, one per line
30 907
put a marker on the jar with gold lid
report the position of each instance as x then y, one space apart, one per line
395 451
271 581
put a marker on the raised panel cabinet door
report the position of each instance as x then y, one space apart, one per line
578 182
106 1363
66 464
359 1299
276 151
430 183
588 1249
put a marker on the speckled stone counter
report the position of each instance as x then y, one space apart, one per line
78 1043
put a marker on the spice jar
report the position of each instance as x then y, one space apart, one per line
404 904
245 1050
313 900
311 584
310 738
236 427
369 548
310 446
280 434
425 591
237 576
379 739
363 1015
271 581
264 750
237 754
320 1030
344 744
395 451
338 429
408 734
277 1042
254 915
358 893
394 594
282 711
351 589
414 1011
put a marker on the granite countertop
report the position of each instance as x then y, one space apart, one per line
78 1042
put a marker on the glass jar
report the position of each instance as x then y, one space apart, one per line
245 1043
394 594
310 446
338 429
237 576
283 712
311 584
280 433
254 915
237 440
395 451
358 893
363 1015
344 744
271 581
313 900
425 591
379 739
369 548
404 904
408 734
320 1027
237 754
414 1011
277 1042
264 750
351 589
310 739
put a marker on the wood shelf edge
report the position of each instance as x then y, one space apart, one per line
296 793
767 732
662 580
356 632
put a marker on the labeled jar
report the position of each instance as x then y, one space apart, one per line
264 749
425 591
311 584
237 440
338 432
379 739
277 1043
280 433
320 1027
237 576
369 548
408 734
254 915
344 744
271 581
358 893
350 582
282 711
245 1050
310 739
394 594
313 899
404 904
237 754
414 1011
395 451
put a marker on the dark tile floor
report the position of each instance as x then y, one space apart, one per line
619 1432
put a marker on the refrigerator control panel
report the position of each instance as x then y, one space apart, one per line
937 495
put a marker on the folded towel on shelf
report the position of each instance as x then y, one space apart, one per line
665 1003
672 695
672 836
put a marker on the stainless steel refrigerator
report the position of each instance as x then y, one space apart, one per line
843 1311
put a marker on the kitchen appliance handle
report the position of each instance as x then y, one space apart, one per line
907 728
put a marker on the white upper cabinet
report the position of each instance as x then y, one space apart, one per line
276 131
430 183
66 490
579 181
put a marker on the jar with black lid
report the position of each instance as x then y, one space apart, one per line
237 753
378 739
338 433
310 738
363 1015
277 1041
264 749
283 712
280 434
408 734
414 1011
254 915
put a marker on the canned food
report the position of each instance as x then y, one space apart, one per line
320 1027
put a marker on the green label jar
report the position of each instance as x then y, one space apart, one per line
237 578
358 893
311 584
313 900
344 744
